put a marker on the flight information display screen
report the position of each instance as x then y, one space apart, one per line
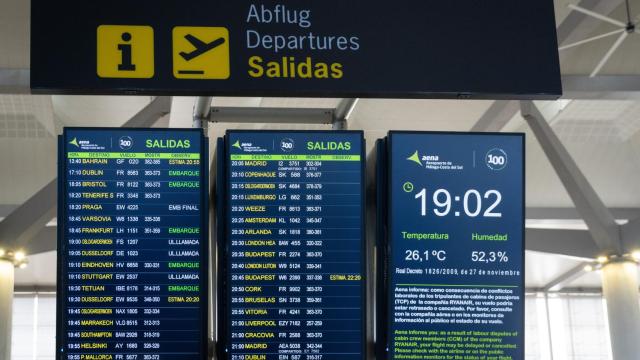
455 252
132 245
295 262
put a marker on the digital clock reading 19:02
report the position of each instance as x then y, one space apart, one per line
472 203
454 253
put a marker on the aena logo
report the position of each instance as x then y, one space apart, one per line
286 145
415 158
74 142
496 159
125 143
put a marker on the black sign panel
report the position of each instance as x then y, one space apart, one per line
294 246
406 49
454 274
132 245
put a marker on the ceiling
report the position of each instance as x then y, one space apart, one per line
603 136
584 58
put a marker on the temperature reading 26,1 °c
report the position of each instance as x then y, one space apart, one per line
472 203
416 255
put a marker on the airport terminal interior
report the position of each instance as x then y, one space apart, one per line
581 169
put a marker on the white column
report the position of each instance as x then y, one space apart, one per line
6 307
620 287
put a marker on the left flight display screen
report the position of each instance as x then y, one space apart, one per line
132 245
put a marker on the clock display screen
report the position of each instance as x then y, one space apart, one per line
455 261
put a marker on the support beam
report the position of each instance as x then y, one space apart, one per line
577 26
6 209
342 113
44 241
598 218
578 243
601 87
271 115
15 81
202 112
339 125
567 278
497 116
22 227
630 233
156 109
345 109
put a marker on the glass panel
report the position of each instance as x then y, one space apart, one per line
22 328
46 344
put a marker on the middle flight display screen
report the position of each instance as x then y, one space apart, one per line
293 244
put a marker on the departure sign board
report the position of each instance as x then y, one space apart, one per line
455 246
400 49
132 245
295 246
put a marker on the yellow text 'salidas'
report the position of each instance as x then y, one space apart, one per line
291 67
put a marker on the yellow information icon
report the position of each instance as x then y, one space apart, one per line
201 52
125 51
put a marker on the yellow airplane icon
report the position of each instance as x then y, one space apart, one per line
201 46
201 52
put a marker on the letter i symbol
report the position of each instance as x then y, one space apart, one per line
125 54
125 51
